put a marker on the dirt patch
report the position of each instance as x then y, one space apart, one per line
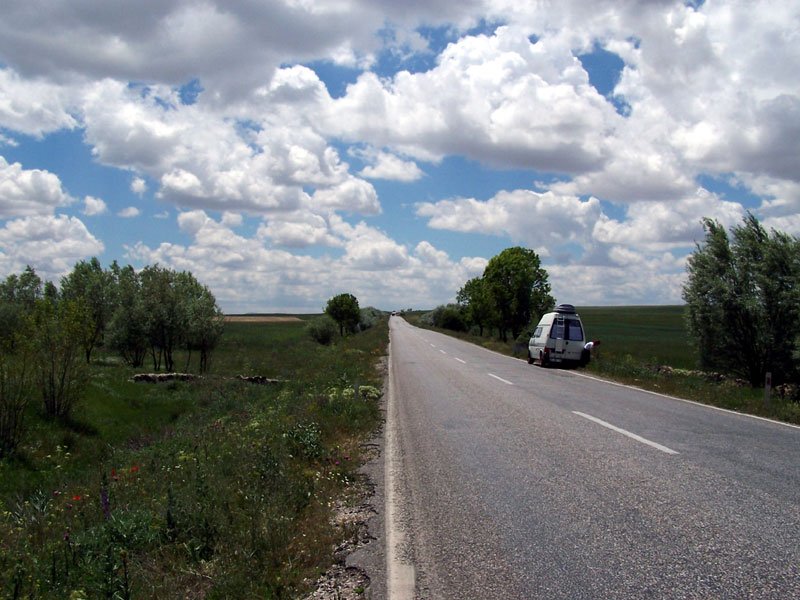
261 319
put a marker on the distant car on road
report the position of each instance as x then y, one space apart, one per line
559 338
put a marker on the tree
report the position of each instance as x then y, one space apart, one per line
127 328
478 304
94 287
344 310
203 319
743 301
519 289
18 295
165 323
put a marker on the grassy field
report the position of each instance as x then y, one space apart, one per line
635 341
208 489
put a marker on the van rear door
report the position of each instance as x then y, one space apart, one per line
557 332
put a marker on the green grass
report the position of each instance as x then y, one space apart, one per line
634 341
215 488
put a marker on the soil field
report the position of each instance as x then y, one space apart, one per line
261 319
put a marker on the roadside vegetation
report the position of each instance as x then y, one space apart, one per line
741 321
214 487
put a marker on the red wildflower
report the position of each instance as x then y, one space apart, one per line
77 498
114 475
134 469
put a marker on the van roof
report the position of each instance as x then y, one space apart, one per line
566 309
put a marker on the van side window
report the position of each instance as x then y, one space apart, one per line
537 332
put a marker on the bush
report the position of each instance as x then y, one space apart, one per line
15 389
322 330
369 317
446 317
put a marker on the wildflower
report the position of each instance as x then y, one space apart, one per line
114 475
134 469
105 503
77 498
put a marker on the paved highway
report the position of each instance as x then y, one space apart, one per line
505 480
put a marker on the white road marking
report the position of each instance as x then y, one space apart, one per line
638 438
463 362
500 379
442 351
400 574
432 345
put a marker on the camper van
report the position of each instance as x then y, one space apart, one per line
559 339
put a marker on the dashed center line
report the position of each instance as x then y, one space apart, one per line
638 438
463 362
442 351
500 379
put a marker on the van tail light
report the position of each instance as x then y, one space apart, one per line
546 350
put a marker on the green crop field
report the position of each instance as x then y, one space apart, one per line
212 488
653 334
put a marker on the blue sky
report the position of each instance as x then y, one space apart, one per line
290 150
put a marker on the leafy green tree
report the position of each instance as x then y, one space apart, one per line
345 311
128 326
203 320
58 328
165 322
94 287
18 295
477 302
743 301
519 289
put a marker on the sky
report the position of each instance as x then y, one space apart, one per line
285 151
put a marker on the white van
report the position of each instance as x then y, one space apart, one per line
559 339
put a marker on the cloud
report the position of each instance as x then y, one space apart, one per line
129 212
138 186
499 99
28 192
34 106
384 165
245 274
94 206
538 220
52 243
301 229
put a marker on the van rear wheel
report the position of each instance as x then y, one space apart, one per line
543 360
530 358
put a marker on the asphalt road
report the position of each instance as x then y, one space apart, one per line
505 480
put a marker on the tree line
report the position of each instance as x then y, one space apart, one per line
512 292
49 334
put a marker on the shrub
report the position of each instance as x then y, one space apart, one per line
15 389
61 370
322 330
369 317
446 317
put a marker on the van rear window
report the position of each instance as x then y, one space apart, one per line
573 333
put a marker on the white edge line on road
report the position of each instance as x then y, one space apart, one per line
687 401
400 575
500 379
633 436
463 362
